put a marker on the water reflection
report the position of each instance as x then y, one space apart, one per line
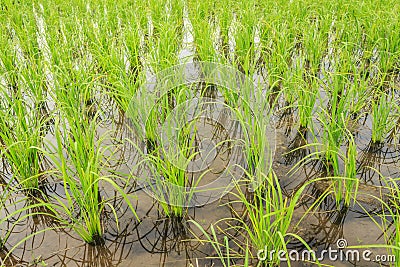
376 159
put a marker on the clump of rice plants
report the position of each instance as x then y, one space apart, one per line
117 59
168 166
277 58
266 220
81 175
265 224
172 179
79 156
306 92
246 32
383 108
334 121
23 114
305 103
167 22
204 22
332 139
21 138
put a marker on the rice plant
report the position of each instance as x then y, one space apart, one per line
246 34
23 127
346 188
306 92
205 29
382 110
167 21
81 164
168 163
172 181
266 220
335 122
117 59
82 180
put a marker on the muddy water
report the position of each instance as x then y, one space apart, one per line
155 241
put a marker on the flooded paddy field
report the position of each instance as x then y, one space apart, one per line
194 133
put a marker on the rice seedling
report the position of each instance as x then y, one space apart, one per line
306 92
168 163
350 173
204 22
172 181
266 225
331 140
345 185
277 57
258 134
225 18
19 142
85 159
171 165
24 120
268 218
245 47
335 120
382 111
163 46
80 161
358 96
252 124
263 227
117 59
